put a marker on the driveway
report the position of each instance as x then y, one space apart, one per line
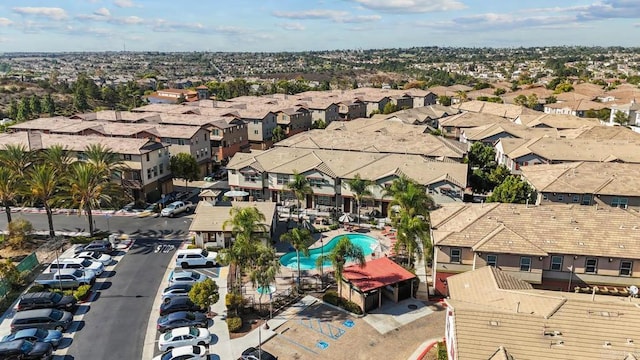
114 327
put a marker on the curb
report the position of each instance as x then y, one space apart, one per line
424 352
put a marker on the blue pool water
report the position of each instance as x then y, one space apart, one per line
366 243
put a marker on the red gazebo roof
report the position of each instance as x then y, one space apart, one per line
376 274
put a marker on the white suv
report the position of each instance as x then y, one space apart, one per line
196 257
76 263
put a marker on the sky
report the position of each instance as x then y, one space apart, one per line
301 25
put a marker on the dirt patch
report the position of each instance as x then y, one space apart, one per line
250 321
8 252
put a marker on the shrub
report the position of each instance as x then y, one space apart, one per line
333 226
82 292
10 273
191 246
234 323
37 288
332 298
205 293
19 232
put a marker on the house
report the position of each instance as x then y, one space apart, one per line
422 97
208 222
577 108
147 175
553 247
294 120
452 126
585 183
171 96
631 112
429 115
600 133
508 111
374 100
493 315
514 153
379 123
264 175
490 134
228 136
378 280
556 121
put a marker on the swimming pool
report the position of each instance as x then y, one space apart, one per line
366 243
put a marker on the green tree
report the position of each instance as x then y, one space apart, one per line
551 100
58 157
563 87
35 105
389 108
361 189
300 240
300 187
16 158
481 155
184 166
24 112
498 175
319 124
412 237
204 293
10 273
107 162
265 267
621 118
48 105
532 101
278 134
42 183
19 232
80 102
499 91
9 190
13 109
462 95
512 190
444 100
338 256
110 96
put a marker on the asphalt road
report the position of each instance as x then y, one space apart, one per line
139 227
115 326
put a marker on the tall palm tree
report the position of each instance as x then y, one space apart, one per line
86 189
413 200
249 229
17 158
9 189
412 234
300 187
264 268
300 240
339 255
360 189
58 157
42 185
104 159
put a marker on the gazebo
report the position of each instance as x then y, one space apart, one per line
366 286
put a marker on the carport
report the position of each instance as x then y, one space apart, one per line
366 286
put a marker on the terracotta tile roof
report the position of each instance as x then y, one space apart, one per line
529 324
376 274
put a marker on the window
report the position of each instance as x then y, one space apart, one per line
148 173
323 200
181 142
561 197
492 260
155 171
159 154
127 157
455 255
556 263
282 179
525 263
625 268
586 200
591 266
545 197
147 156
255 132
251 177
315 182
216 132
576 198
161 169
619 202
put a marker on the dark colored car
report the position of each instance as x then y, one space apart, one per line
47 319
25 350
255 354
102 246
46 300
52 337
180 319
181 303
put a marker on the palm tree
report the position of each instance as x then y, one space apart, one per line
343 251
104 159
86 189
58 157
300 240
300 187
360 189
412 199
42 185
9 190
264 269
17 158
412 234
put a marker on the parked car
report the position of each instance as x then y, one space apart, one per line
185 277
102 246
184 336
76 263
66 279
176 290
176 208
184 353
46 319
95 256
46 300
196 257
180 303
25 350
52 337
182 319
256 354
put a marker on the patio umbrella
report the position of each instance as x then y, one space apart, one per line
345 218
236 193
306 224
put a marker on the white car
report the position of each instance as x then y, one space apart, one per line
183 336
185 277
184 353
74 263
195 257
95 256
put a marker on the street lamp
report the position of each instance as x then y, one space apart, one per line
266 327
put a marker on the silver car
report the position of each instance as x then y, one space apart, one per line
183 336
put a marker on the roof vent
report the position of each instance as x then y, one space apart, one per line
630 342
607 344
494 323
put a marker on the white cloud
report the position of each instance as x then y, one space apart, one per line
5 22
411 6
292 26
102 12
48 12
358 19
125 3
127 20
320 14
